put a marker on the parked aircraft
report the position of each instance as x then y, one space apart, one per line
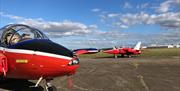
86 51
125 51
27 53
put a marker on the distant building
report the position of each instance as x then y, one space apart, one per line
170 46
164 46
178 46
144 47
152 47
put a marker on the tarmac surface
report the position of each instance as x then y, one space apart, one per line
109 74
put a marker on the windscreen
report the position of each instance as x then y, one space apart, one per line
13 34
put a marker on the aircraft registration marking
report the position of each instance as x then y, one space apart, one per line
21 61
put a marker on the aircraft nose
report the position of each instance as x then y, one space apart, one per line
44 45
74 61
52 47
72 66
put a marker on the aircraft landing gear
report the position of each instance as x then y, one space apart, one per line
49 86
115 56
122 55
129 56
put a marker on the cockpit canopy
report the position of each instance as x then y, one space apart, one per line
15 33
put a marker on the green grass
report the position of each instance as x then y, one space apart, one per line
161 53
97 55
146 53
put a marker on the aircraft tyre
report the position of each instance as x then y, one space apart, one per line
2 80
39 88
122 55
51 88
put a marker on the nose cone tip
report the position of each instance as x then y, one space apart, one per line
72 69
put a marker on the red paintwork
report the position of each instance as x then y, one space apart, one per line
83 51
79 52
3 65
114 51
124 51
37 66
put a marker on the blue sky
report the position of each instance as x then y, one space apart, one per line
98 23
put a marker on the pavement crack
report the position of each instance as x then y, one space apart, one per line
143 82
92 70
81 88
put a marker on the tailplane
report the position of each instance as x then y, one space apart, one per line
138 45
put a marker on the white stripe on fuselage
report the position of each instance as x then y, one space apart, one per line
52 55
34 52
92 51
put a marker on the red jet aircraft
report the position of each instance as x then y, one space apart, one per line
26 53
86 51
125 51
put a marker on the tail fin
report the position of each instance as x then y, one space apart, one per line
138 45
114 47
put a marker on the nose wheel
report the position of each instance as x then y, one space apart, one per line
49 86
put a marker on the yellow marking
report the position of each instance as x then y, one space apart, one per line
21 61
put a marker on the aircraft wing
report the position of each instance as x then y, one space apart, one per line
79 52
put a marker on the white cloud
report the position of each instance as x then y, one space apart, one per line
124 26
111 15
127 5
93 26
96 10
58 29
164 7
170 20
142 6
54 29
11 16
167 5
